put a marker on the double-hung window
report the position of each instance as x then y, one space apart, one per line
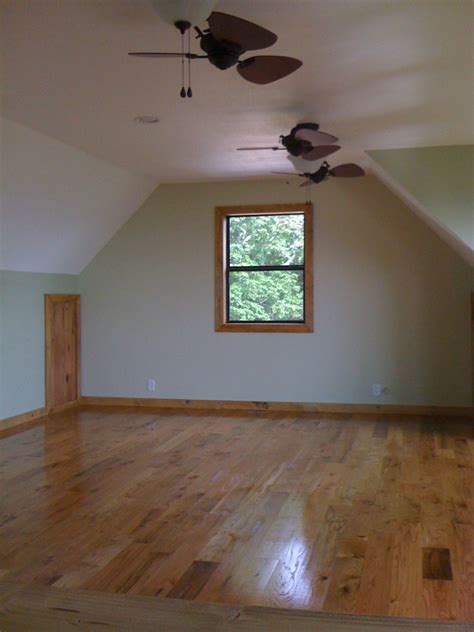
264 268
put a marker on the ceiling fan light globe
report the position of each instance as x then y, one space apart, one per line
192 11
298 163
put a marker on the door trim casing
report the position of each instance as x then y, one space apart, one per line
49 300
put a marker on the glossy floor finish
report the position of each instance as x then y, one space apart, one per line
333 514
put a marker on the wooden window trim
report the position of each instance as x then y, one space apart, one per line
222 212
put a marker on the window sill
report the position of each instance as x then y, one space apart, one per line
266 328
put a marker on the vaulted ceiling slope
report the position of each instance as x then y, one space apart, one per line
60 205
438 183
377 74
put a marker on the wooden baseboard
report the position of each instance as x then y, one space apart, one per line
284 407
241 406
63 407
42 609
34 415
19 420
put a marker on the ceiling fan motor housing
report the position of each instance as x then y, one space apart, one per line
319 175
221 54
295 146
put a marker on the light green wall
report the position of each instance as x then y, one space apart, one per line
2 398
391 305
440 178
22 333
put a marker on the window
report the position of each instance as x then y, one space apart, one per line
264 268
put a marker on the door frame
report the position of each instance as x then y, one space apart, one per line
49 301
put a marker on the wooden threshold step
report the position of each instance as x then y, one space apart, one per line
43 609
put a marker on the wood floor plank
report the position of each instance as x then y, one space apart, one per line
437 564
338 514
123 571
193 580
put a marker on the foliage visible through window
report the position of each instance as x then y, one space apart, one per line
265 268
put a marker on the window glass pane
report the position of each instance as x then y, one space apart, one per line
266 296
266 240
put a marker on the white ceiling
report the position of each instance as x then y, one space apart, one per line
377 73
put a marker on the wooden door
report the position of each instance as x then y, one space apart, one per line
62 338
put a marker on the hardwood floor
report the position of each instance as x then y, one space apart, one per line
45 609
333 514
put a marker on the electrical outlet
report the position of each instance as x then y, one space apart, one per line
151 385
376 390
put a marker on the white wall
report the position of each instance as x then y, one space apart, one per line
60 204
22 337
391 305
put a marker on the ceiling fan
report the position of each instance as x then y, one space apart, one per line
347 170
304 141
224 42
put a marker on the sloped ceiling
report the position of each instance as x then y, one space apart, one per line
438 183
379 75
60 205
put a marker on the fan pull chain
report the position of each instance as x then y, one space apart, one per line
189 92
183 91
308 192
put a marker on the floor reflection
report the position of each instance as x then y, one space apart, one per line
65 486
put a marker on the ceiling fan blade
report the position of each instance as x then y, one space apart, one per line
166 55
306 183
288 173
317 153
315 138
348 170
156 54
313 126
259 148
246 34
267 68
